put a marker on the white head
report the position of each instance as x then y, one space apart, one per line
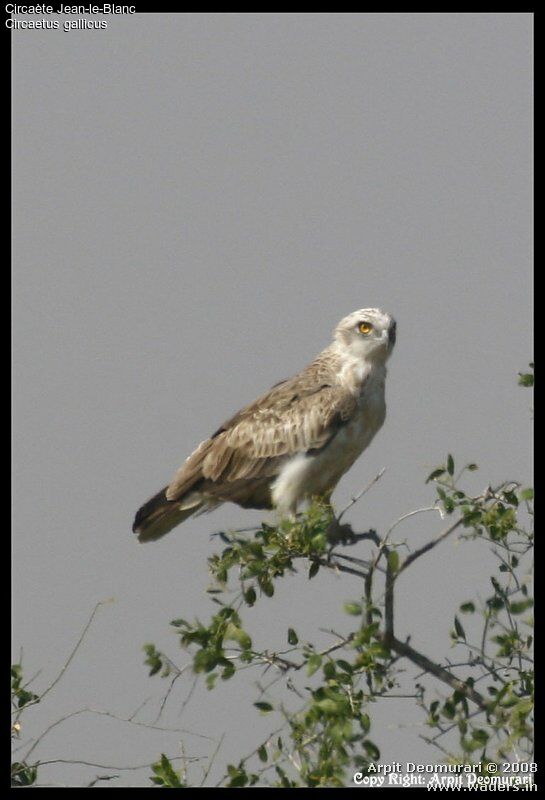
367 334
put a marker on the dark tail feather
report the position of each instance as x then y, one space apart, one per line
158 516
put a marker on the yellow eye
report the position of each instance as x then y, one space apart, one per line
365 327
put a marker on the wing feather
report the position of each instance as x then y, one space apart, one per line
296 416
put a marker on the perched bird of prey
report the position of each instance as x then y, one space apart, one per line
294 442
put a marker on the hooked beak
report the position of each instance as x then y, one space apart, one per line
392 333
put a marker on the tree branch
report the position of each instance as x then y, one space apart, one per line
429 545
426 664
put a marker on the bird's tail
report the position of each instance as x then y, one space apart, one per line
158 516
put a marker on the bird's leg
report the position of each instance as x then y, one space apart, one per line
335 532
339 534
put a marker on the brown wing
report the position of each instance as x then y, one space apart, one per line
298 415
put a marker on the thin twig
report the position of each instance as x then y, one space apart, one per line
139 708
169 690
212 759
101 713
403 517
360 494
189 696
76 762
429 545
362 562
69 659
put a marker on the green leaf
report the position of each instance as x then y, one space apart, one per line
313 663
314 567
355 609
24 697
292 637
228 671
510 497
205 660
472 516
236 634
262 753
435 474
393 561
459 629
371 749
329 670
211 680
23 774
480 736
526 378
239 776
166 774
467 608
365 723
264 707
520 606
328 706
250 596
153 659
266 587
448 505
450 464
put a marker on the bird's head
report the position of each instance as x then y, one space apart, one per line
367 334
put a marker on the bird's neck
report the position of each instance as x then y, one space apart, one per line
352 372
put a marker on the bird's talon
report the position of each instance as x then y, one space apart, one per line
339 534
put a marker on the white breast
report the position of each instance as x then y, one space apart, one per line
307 475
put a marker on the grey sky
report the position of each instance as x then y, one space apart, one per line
198 199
